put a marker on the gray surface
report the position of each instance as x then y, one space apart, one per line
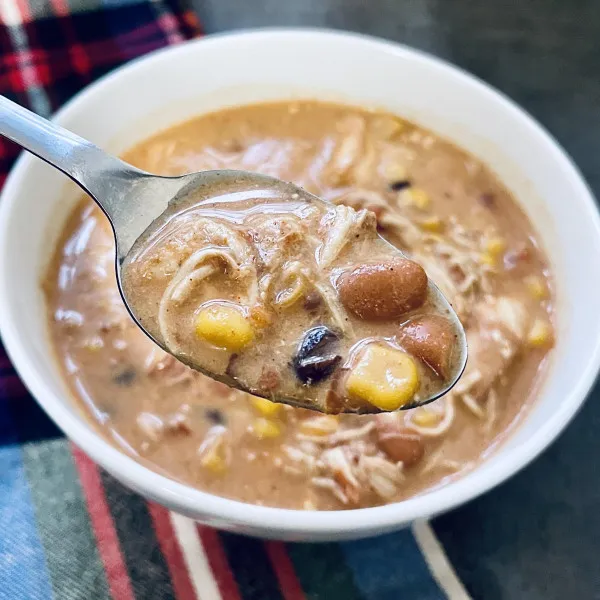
538 535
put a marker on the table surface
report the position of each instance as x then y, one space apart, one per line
538 535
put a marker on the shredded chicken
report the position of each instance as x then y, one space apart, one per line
274 237
491 410
438 461
443 426
348 150
194 270
234 259
338 223
339 437
336 461
327 483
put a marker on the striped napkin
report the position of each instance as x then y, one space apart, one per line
67 529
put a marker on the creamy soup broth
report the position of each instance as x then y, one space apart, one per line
436 203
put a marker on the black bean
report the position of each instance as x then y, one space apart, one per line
316 357
317 368
215 416
317 338
400 185
125 377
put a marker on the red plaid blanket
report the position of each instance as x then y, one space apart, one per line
49 52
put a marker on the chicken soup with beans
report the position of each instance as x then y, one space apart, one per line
283 295
441 207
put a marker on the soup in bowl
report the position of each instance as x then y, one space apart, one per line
448 186
439 205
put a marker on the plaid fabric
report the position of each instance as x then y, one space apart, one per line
67 529
49 51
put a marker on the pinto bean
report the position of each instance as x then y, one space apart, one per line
399 443
383 290
430 338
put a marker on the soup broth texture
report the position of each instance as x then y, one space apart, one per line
440 206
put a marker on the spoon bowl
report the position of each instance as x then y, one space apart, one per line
136 201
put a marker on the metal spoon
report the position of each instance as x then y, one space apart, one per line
133 199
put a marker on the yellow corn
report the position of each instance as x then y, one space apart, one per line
433 225
385 377
213 461
224 326
494 249
419 198
424 417
264 429
495 246
540 334
536 286
485 258
324 425
265 407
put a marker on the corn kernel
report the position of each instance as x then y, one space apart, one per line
213 461
485 258
264 429
265 407
224 326
536 286
424 417
419 198
433 225
540 334
385 377
495 246
324 425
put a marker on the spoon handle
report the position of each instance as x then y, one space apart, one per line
76 157
112 183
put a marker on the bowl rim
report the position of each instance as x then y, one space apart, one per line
211 508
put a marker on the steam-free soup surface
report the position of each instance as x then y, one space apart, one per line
441 206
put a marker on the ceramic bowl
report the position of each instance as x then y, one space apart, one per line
174 84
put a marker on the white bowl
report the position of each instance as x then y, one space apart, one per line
174 84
